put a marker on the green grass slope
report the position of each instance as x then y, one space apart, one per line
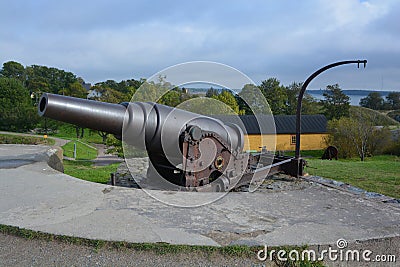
380 119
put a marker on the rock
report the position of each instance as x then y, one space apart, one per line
132 176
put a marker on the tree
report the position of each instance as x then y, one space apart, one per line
106 94
206 106
336 103
212 92
150 91
252 101
338 137
76 90
16 110
36 88
171 98
135 83
124 87
292 92
373 100
393 100
229 99
394 147
54 79
309 104
12 69
38 78
357 135
395 114
275 95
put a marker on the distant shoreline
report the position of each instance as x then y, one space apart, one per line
311 91
355 95
352 92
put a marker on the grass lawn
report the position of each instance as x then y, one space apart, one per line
86 171
379 174
28 140
69 132
83 152
307 153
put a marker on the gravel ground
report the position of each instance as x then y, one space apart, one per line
17 251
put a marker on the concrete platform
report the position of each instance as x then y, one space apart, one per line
35 196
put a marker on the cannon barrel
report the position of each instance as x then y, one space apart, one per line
91 114
145 125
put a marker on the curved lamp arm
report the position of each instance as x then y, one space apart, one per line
303 89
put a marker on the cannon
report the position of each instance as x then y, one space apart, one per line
186 150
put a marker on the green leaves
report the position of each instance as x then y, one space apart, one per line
16 110
336 103
12 69
228 99
276 95
76 90
374 100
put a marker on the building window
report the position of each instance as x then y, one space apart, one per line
292 139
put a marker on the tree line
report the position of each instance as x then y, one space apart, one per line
21 87
374 100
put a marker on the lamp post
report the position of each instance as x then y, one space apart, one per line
300 99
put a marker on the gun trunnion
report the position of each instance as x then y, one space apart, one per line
192 151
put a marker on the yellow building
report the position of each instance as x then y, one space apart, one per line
279 132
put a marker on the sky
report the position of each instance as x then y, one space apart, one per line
289 40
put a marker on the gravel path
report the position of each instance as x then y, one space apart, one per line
104 159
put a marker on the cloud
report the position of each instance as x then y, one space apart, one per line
101 40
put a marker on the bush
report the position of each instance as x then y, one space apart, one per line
393 148
358 136
115 146
395 114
